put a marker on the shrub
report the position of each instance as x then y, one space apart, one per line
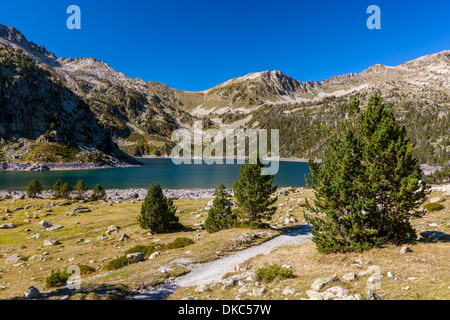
57 279
34 188
179 243
433 207
269 273
118 263
85 269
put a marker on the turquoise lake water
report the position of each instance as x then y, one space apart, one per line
163 171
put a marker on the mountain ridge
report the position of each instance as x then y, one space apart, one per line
140 116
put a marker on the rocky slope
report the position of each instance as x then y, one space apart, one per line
138 117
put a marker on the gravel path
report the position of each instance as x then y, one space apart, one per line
211 272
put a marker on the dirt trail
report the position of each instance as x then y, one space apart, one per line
210 272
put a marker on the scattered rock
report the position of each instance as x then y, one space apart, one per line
51 241
124 237
81 209
288 290
314 295
322 282
32 293
404 250
245 288
8 226
45 224
334 293
435 200
136 257
13 258
202 288
349 276
258 291
155 254
52 228
112 228
370 295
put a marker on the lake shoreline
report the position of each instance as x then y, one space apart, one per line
124 194
65 166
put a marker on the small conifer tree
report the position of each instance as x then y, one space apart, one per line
57 189
80 188
34 188
253 192
66 189
98 193
220 215
157 211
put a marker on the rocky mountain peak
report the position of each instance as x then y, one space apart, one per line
16 37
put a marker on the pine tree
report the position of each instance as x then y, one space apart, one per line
98 193
57 189
253 192
34 188
66 189
368 184
157 211
220 215
80 188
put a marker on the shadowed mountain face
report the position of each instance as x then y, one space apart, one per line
86 110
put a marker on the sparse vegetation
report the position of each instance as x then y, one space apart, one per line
57 278
433 207
270 273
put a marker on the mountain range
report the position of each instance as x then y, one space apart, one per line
66 110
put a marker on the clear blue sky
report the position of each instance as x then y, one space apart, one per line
196 44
